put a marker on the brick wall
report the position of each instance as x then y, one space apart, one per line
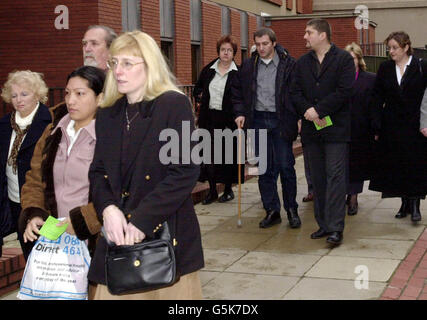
150 18
252 26
29 39
182 41
211 30
110 14
290 33
304 6
12 265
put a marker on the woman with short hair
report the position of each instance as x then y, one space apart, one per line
213 93
19 132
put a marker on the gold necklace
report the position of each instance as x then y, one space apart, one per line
129 121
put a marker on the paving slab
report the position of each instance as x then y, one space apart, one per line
240 286
274 264
219 260
335 267
332 289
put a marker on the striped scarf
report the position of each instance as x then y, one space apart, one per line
17 143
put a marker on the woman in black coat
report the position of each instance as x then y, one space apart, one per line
138 181
362 137
19 133
401 170
213 93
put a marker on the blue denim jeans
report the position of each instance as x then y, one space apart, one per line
280 160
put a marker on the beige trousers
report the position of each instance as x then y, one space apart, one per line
187 288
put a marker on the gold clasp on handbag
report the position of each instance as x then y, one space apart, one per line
137 263
175 243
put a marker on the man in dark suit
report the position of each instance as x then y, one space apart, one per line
322 86
261 101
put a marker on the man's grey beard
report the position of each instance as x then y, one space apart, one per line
90 62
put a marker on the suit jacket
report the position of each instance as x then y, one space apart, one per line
328 92
157 192
41 119
401 148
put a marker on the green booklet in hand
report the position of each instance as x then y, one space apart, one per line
328 123
50 230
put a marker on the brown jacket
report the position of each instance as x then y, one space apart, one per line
38 194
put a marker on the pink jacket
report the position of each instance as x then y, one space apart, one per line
70 172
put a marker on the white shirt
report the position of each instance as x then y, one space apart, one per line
399 76
72 134
217 86
12 179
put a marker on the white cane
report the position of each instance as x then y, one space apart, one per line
239 179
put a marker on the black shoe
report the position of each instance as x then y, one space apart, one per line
335 238
404 209
272 218
294 220
352 210
414 209
211 197
319 234
309 197
227 196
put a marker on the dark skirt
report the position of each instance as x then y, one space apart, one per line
221 173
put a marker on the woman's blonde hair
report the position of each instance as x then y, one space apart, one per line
355 48
33 81
159 78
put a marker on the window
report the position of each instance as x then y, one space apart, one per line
166 19
244 31
196 62
167 50
225 21
196 21
131 15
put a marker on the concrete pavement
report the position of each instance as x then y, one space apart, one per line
280 263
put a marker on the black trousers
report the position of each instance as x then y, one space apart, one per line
329 173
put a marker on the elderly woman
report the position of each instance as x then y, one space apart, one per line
65 151
362 137
213 92
133 190
19 133
399 87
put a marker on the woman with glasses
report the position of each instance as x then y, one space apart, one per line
135 187
212 93
19 132
401 170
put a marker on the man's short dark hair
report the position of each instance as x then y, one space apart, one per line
265 31
111 34
321 25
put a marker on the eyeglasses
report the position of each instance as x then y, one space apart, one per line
125 64
226 50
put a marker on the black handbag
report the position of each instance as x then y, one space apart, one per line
145 266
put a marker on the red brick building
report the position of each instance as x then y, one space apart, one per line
290 31
45 36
